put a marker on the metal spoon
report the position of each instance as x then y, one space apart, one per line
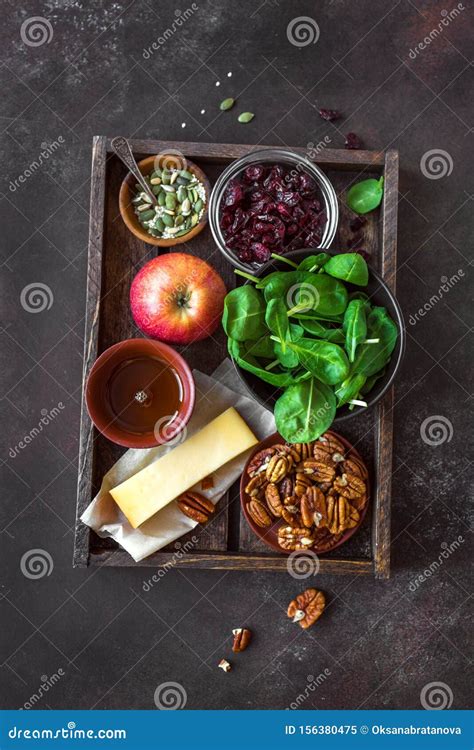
122 148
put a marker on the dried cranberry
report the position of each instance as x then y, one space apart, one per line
353 141
357 223
254 173
329 114
233 194
260 252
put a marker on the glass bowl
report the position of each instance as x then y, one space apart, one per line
273 156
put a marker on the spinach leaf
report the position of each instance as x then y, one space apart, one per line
262 347
244 313
354 326
304 411
322 359
371 358
321 331
370 382
277 320
249 363
349 389
296 331
279 283
317 293
366 195
313 262
350 267
287 357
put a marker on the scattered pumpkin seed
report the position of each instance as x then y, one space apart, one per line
246 117
227 104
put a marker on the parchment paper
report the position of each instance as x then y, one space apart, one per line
213 396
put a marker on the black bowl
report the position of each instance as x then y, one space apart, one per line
380 294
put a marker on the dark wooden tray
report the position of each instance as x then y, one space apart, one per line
115 255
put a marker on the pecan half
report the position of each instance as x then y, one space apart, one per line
353 465
324 540
242 637
288 450
195 506
292 516
341 515
304 450
313 508
277 468
256 484
294 538
328 448
260 461
350 486
286 487
302 482
307 607
258 513
272 496
320 471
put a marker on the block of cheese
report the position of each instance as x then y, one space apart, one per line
141 496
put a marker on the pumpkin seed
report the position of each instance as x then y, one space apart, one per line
162 198
181 194
198 206
246 117
169 188
169 211
227 104
167 220
187 223
165 177
182 181
186 174
147 215
143 207
173 178
156 189
173 230
155 181
186 206
178 221
160 225
181 232
194 220
170 201
156 173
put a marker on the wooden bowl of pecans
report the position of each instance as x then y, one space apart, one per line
305 496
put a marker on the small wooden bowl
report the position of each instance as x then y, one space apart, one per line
269 535
127 192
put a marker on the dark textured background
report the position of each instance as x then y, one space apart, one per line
381 642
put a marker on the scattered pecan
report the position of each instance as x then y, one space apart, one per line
329 449
350 486
277 468
272 496
195 506
258 513
260 461
307 607
319 471
242 638
313 508
256 484
224 665
294 538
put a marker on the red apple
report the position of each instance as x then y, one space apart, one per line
177 298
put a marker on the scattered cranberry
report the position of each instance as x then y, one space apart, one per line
353 141
357 223
330 114
269 209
